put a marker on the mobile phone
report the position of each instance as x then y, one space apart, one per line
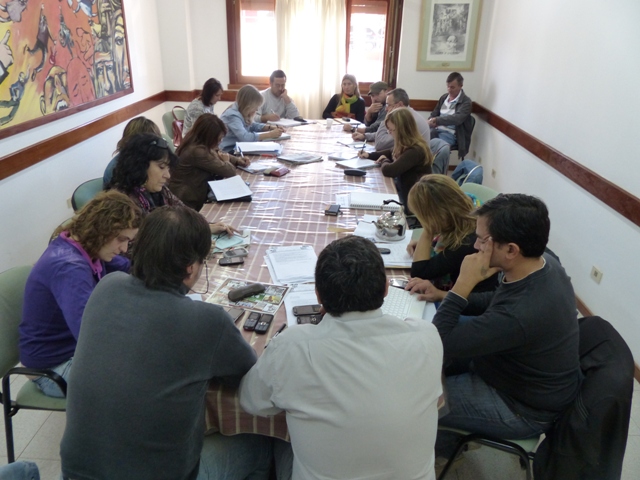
264 323
307 310
312 319
251 322
231 261
236 252
384 251
235 313
395 282
333 210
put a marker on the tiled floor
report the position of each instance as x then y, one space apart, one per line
37 438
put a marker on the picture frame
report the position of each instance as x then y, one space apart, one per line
448 35
58 58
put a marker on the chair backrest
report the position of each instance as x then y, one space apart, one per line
588 441
12 283
167 121
169 141
482 193
85 193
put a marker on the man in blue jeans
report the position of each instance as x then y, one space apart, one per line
512 369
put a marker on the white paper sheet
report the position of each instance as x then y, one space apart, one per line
293 264
230 188
300 294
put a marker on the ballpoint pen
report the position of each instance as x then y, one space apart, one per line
280 330
364 144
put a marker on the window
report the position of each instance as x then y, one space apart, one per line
373 37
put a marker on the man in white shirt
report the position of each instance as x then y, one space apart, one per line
277 103
360 389
451 119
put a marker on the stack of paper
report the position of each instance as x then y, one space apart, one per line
285 122
259 148
259 166
230 189
294 264
300 158
348 155
361 163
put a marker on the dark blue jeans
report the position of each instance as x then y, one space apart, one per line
20 471
476 407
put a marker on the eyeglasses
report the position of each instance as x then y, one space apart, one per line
483 240
160 143
206 276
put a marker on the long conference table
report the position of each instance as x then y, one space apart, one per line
286 210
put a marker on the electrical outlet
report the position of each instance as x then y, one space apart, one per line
493 172
69 203
596 275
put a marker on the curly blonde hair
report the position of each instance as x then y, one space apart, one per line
102 219
443 209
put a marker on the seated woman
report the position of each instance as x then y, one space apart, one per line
136 125
411 157
201 162
211 94
239 120
143 173
348 103
63 278
445 213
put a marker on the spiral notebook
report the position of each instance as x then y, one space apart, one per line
373 201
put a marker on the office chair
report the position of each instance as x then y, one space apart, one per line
482 193
12 283
85 192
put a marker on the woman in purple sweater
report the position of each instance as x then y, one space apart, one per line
63 278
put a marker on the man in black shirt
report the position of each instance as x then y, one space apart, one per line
514 368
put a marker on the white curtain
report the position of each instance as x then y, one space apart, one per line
311 50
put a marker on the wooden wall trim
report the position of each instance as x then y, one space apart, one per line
29 156
610 194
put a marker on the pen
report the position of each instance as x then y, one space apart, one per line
280 330
364 144
241 154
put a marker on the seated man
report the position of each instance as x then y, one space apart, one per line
360 389
395 99
451 119
277 104
516 365
376 113
145 356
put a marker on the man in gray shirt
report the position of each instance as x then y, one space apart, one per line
277 103
145 356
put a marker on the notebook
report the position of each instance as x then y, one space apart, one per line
373 201
231 188
343 155
361 163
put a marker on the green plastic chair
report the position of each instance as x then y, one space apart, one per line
524 449
85 193
482 193
12 283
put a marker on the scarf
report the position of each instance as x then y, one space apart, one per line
345 104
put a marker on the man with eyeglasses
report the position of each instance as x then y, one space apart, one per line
451 119
145 357
375 115
514 368
396 99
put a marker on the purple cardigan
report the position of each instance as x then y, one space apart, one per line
55 295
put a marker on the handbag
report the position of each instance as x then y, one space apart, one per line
176 126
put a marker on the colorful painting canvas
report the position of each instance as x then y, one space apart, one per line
57 56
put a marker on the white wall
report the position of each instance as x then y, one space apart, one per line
34 201
563 72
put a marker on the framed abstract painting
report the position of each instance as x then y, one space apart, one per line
58 57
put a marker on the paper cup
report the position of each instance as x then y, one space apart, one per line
329 122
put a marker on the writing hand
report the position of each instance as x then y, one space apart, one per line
363 154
